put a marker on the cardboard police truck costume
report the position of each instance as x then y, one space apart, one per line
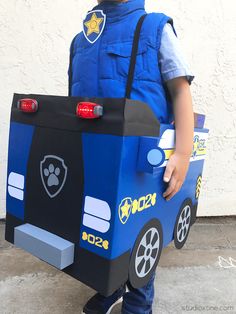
85 185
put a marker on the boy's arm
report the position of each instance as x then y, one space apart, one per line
178 163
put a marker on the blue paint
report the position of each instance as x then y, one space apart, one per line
135 185
146 144
110 174
102 157
20 140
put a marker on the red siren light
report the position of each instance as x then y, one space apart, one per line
89 110
27 105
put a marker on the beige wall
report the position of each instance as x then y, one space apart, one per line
34 42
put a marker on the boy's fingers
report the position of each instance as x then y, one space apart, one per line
174 191
168 172
171 187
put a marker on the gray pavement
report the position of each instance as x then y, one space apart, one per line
200 278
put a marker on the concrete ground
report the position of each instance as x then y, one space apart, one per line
200 278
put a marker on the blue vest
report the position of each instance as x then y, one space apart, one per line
100 69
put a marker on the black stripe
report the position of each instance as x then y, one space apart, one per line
58 215
11 223
103 275
121 116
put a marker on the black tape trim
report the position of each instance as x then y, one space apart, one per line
99 273
11 223
121 116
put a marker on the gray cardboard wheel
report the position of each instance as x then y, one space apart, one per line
146 254
183 223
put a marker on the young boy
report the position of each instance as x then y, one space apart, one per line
101 55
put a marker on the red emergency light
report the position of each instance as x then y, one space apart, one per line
89 110
27 105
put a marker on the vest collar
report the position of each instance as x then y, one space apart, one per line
114 9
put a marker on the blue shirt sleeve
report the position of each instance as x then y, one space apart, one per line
171 59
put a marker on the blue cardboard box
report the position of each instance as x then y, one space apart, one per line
85 195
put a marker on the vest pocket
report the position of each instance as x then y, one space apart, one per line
117 60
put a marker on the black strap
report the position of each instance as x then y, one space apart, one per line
70 66
134 56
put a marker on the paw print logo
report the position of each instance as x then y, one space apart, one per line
53 173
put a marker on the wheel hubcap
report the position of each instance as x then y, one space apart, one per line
183 223
147 252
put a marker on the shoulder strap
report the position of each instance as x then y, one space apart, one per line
134 56
70 66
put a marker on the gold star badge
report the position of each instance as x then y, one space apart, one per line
125 210
93 25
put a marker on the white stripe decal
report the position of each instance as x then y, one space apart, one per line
97 207
17 180
167 143
168 139
96 223
16 193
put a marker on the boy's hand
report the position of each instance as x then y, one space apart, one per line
175 173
